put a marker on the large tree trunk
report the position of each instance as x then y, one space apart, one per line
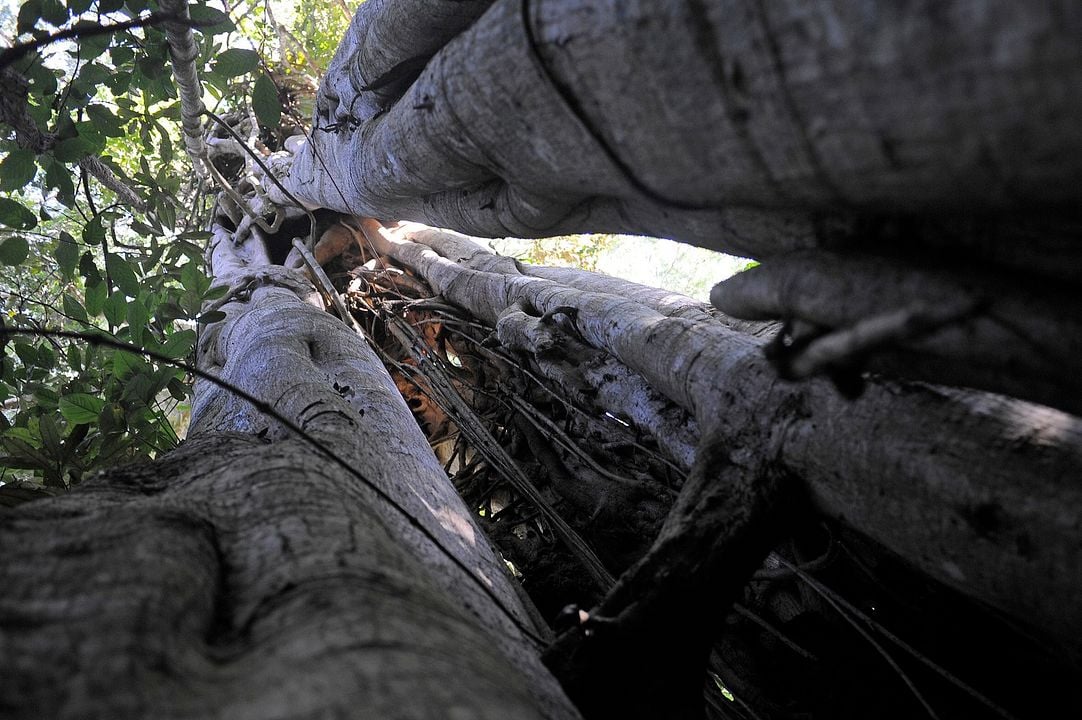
750 128
905 136
920 468
250 573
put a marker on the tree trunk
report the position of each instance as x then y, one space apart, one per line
971 488
256 572
752 129
906 137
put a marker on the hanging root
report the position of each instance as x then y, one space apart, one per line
978 329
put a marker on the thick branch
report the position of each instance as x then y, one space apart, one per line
897 463
754 131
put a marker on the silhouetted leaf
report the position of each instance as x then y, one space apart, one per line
17 169
265 102
66 254
122 274
15 215
13 250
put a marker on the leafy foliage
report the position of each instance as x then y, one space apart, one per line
75 257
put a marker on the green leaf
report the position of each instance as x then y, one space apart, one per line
138 316
126 363
176 388
81 408
236 61
59 177
28 16
50 436
122 274
106 122
78 7
27 353
15 215
73 149
211 21
17 169
46 357
23 453
93 232
21 433
66 254
75 357
13 250
193 279
179 344
94 299
115 309
74 309
167 214
265 102
211 317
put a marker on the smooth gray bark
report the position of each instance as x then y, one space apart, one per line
751 128
974 489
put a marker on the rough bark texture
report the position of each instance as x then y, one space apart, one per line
248 575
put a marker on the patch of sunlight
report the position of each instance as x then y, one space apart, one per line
656 262
724 690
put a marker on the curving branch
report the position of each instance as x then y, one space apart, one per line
13 112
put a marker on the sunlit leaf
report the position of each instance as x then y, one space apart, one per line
236 61
80 407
